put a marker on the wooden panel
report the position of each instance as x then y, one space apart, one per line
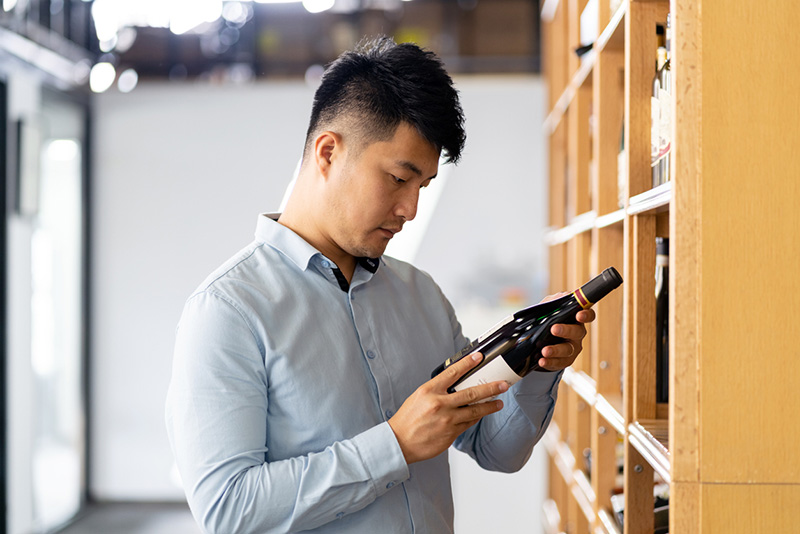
638 493
749 508
608 99
750 379
685 245
578 273
604 446
606 340
578 200
684 507
558 173
644 318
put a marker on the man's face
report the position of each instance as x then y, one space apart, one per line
375 191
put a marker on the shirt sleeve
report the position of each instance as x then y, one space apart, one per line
503 441
217 424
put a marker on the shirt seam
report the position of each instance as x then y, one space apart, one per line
232 304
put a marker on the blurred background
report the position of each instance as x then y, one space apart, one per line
140 140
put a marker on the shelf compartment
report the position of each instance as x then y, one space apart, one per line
607 523
651 439
613 35
653 200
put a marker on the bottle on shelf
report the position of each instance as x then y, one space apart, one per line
512 349
660 508
655 108
662 319
665 106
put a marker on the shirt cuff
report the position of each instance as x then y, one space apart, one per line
382 457
538 384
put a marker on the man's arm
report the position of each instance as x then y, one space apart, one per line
504 441
217 424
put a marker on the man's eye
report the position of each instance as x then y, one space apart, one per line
398 180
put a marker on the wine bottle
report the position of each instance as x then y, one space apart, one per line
665 106
655 108
512 348
662 319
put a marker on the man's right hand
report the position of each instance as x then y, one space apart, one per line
431 419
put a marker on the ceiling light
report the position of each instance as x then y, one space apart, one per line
317 6
102 77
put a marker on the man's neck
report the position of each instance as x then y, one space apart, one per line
305 227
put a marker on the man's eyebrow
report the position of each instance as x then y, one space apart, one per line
411 167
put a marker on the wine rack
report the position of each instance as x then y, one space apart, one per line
726 442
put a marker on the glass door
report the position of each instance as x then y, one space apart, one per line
45 257
57 320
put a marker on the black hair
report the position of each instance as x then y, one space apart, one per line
381 84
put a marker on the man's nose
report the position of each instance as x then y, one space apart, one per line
407 206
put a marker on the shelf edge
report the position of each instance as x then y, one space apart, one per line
578 225
649 200
609 525
610 414
653 453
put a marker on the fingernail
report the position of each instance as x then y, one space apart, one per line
477 357
557 330
503 387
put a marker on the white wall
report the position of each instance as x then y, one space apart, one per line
181 173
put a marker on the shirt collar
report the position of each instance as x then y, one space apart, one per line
294 247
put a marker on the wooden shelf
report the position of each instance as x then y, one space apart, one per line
650 438
582 383
551 519
652 200
728 192
607 523
610 408
612 34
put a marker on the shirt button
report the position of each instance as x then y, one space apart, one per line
390 485
340 515
326 264
388 414
370 355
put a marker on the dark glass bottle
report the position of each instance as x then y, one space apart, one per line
662 319
512 349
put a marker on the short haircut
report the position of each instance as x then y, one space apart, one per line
381 84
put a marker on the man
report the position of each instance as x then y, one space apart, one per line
300 397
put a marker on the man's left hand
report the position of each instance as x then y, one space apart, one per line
561 356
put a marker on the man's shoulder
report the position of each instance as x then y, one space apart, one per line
407 272
244 267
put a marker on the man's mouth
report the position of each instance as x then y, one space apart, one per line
391 231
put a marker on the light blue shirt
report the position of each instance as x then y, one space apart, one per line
283 383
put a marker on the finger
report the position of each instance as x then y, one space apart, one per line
479 393
586 316
561 351
448 377
472 413
574 332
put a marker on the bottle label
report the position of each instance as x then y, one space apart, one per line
495 370
582 300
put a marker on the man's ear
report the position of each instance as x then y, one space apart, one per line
327 149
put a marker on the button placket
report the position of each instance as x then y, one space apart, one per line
376 367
